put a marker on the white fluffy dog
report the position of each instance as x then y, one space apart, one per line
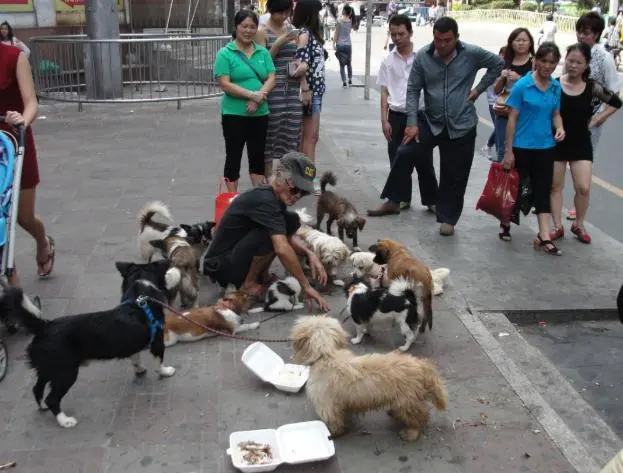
331 251
342 383
375 275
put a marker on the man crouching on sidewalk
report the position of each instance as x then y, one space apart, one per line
256 228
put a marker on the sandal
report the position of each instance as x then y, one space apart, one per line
581 233
41 264
547 246
557 234
505 232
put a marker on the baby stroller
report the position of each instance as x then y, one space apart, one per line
11 160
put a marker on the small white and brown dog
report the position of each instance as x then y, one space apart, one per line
223 316
375 275
341 383
331 251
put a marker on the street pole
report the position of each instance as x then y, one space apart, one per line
366 83
102 61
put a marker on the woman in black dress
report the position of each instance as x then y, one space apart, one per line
578 91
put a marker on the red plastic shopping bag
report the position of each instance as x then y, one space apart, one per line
499 196
222 201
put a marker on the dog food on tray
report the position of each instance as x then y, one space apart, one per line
254 453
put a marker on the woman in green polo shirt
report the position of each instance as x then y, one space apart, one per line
246 74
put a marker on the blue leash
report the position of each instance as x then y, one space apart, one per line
154 324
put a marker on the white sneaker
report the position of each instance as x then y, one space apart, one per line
487 152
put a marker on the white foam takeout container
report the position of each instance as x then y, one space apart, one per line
302 442
270 368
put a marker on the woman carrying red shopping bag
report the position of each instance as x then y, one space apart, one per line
499 196
534 127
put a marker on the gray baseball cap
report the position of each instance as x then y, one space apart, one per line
302 169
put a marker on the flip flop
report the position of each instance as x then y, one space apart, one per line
49 259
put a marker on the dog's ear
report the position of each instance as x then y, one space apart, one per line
373 248
283 288
361 222
380 255
158 244
123 267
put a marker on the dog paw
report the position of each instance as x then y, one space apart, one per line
254 326
338 283
166 371
356 249
140 371
43 407
356 340
256 310
409 434
404 348
65 421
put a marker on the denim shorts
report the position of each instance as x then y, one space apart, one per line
316 104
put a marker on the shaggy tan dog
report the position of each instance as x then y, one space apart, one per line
342 383
401 263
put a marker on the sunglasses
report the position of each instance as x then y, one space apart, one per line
297 191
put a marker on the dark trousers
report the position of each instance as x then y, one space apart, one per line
456 156
238 131
491 140
539 165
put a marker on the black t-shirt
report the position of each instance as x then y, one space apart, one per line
257 208
521 69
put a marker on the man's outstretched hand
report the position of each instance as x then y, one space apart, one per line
312 294
318 271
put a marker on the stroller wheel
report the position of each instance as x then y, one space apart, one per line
4 360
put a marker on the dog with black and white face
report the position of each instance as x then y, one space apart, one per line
61 346
398 300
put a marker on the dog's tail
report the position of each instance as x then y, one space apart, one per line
304 216
620 304
172 278
439 395
153 208
402 287
327 178
30 316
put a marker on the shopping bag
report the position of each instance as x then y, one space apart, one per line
499 196
222 201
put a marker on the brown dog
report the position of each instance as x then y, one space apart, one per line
182 255
401 263
222 316
338 208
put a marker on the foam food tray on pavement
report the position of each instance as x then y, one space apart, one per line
270 368
302 442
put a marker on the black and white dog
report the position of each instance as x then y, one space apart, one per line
62 345
281 296
199 235
399 300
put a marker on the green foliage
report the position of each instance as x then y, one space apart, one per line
502 5
529 6
461 6
585 4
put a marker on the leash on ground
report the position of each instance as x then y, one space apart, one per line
210 329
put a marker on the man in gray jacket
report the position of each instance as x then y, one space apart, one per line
444 71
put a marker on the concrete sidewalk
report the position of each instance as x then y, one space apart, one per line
100 166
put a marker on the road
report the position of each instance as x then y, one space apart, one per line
606 211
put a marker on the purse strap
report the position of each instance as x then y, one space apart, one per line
245 59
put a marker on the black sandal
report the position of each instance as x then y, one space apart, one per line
505 232
539 243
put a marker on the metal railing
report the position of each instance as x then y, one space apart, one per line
519 17
176 66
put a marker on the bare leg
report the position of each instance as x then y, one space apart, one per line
259 266
34 225
232 186
309 136
581 172
257 179
558 183
268 169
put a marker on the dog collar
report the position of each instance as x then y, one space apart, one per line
154 324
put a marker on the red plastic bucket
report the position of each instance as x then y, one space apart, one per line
222 201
